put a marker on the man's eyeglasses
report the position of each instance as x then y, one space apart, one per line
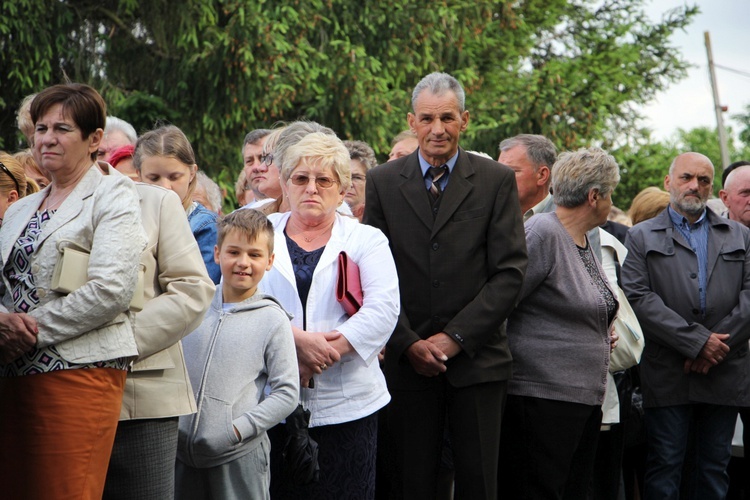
304 180
10 174
267 158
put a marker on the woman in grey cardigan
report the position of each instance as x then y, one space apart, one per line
560 338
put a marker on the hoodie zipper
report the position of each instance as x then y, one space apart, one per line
201 391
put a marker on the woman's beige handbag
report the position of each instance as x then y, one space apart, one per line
70 272
629 347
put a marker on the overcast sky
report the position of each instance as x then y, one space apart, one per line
689 103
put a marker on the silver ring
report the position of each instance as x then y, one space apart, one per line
323 366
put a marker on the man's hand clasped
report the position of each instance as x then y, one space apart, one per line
714 351
428 357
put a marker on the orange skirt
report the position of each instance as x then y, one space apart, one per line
57 431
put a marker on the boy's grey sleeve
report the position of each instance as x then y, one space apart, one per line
283 379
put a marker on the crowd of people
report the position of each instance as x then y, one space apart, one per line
442 325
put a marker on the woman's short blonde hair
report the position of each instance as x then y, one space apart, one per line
647 204
15 174
319 149
25 123
576 173
26 158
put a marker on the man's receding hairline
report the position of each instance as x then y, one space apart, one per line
731 176
439 94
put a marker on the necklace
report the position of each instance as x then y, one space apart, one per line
310 239
56 200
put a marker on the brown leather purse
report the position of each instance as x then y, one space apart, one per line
348 285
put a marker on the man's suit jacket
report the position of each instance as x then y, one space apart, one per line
660 278
460 270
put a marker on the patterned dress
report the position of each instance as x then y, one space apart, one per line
25 299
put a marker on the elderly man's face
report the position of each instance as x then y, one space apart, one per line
528 179
251 154
437 121
736 196
690 184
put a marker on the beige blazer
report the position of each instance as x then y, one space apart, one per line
101 214
178 292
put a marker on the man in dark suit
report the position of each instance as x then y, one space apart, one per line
456 233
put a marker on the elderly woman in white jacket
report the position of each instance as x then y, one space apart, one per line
337 354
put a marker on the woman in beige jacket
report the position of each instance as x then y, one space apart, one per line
64 356
177 292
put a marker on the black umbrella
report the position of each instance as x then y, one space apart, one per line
300 455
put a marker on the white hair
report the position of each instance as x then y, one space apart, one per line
115 124
213 192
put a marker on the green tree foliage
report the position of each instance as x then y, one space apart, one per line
642 164
706 140
645 162
33 37
744 120
572 70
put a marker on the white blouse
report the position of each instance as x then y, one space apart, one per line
354 387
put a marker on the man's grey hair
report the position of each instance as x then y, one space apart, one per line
576 173
292 134
439 84
254 136
480 153
539 150
115 124
361 152
213 192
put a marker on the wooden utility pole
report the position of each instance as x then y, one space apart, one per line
718 108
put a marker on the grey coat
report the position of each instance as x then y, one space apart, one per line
660 278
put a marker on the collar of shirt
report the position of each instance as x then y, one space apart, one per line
537 208
444 179
681 221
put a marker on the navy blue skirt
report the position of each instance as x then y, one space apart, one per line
347 462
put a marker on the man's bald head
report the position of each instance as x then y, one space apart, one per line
692 158
736 195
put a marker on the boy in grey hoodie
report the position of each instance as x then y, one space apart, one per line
244 343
